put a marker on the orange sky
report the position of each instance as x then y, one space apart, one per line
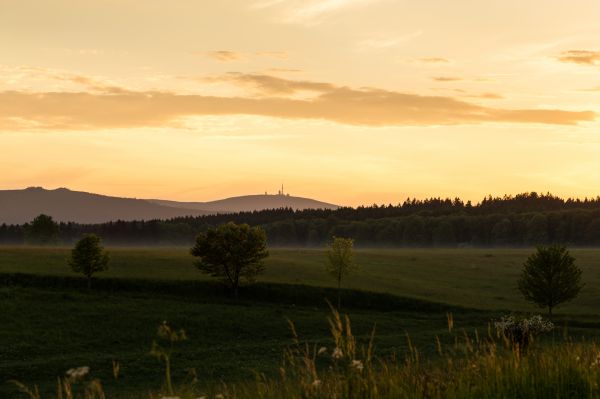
347 101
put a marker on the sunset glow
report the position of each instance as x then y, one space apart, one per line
351 102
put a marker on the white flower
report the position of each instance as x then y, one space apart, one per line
337 353
358 365
78 372
322 350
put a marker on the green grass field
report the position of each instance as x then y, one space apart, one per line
47 330
474 278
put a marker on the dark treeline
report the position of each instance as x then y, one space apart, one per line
522 220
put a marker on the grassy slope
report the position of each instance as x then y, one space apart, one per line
46 331
477 278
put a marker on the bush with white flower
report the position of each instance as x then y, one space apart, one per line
519 331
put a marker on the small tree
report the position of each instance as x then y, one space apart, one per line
550 277
89 257
43 230
231 251
340 261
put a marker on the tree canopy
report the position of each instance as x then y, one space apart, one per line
550 277
231 252
522 220
89 257
43 230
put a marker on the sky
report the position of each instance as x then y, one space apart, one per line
347 101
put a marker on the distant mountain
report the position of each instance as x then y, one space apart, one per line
21 206
64 205
249 203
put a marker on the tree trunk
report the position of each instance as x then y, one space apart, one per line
89 282
550 312
235 291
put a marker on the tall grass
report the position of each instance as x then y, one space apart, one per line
472 366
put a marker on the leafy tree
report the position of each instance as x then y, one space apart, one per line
43 230
88 257
502 232
537 230
414 231
231 251
443 234
340 261
550 277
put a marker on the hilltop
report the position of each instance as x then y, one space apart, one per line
249 203
64 205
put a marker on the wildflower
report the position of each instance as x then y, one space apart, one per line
337 354
358 365
322 350
509 326
78 372
316 383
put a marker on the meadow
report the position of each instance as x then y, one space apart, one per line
52 323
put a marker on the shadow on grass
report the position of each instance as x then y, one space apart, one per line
211 291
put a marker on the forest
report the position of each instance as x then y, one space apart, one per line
522 220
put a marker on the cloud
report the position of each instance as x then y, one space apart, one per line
30 73
487 96
380 42
224 55
271 85
231 56
434 60
427 61
283 70
310 12
281 55
581 57
91 83
345 105
446 78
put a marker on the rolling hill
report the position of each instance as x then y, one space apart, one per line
248 203
21 206
64 205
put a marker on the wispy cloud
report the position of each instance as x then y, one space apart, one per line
385 41
281 55
284 70
271 85
223 55
581 57
446 78
230 56
487 96
434 60
30 73
310 12
345 105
